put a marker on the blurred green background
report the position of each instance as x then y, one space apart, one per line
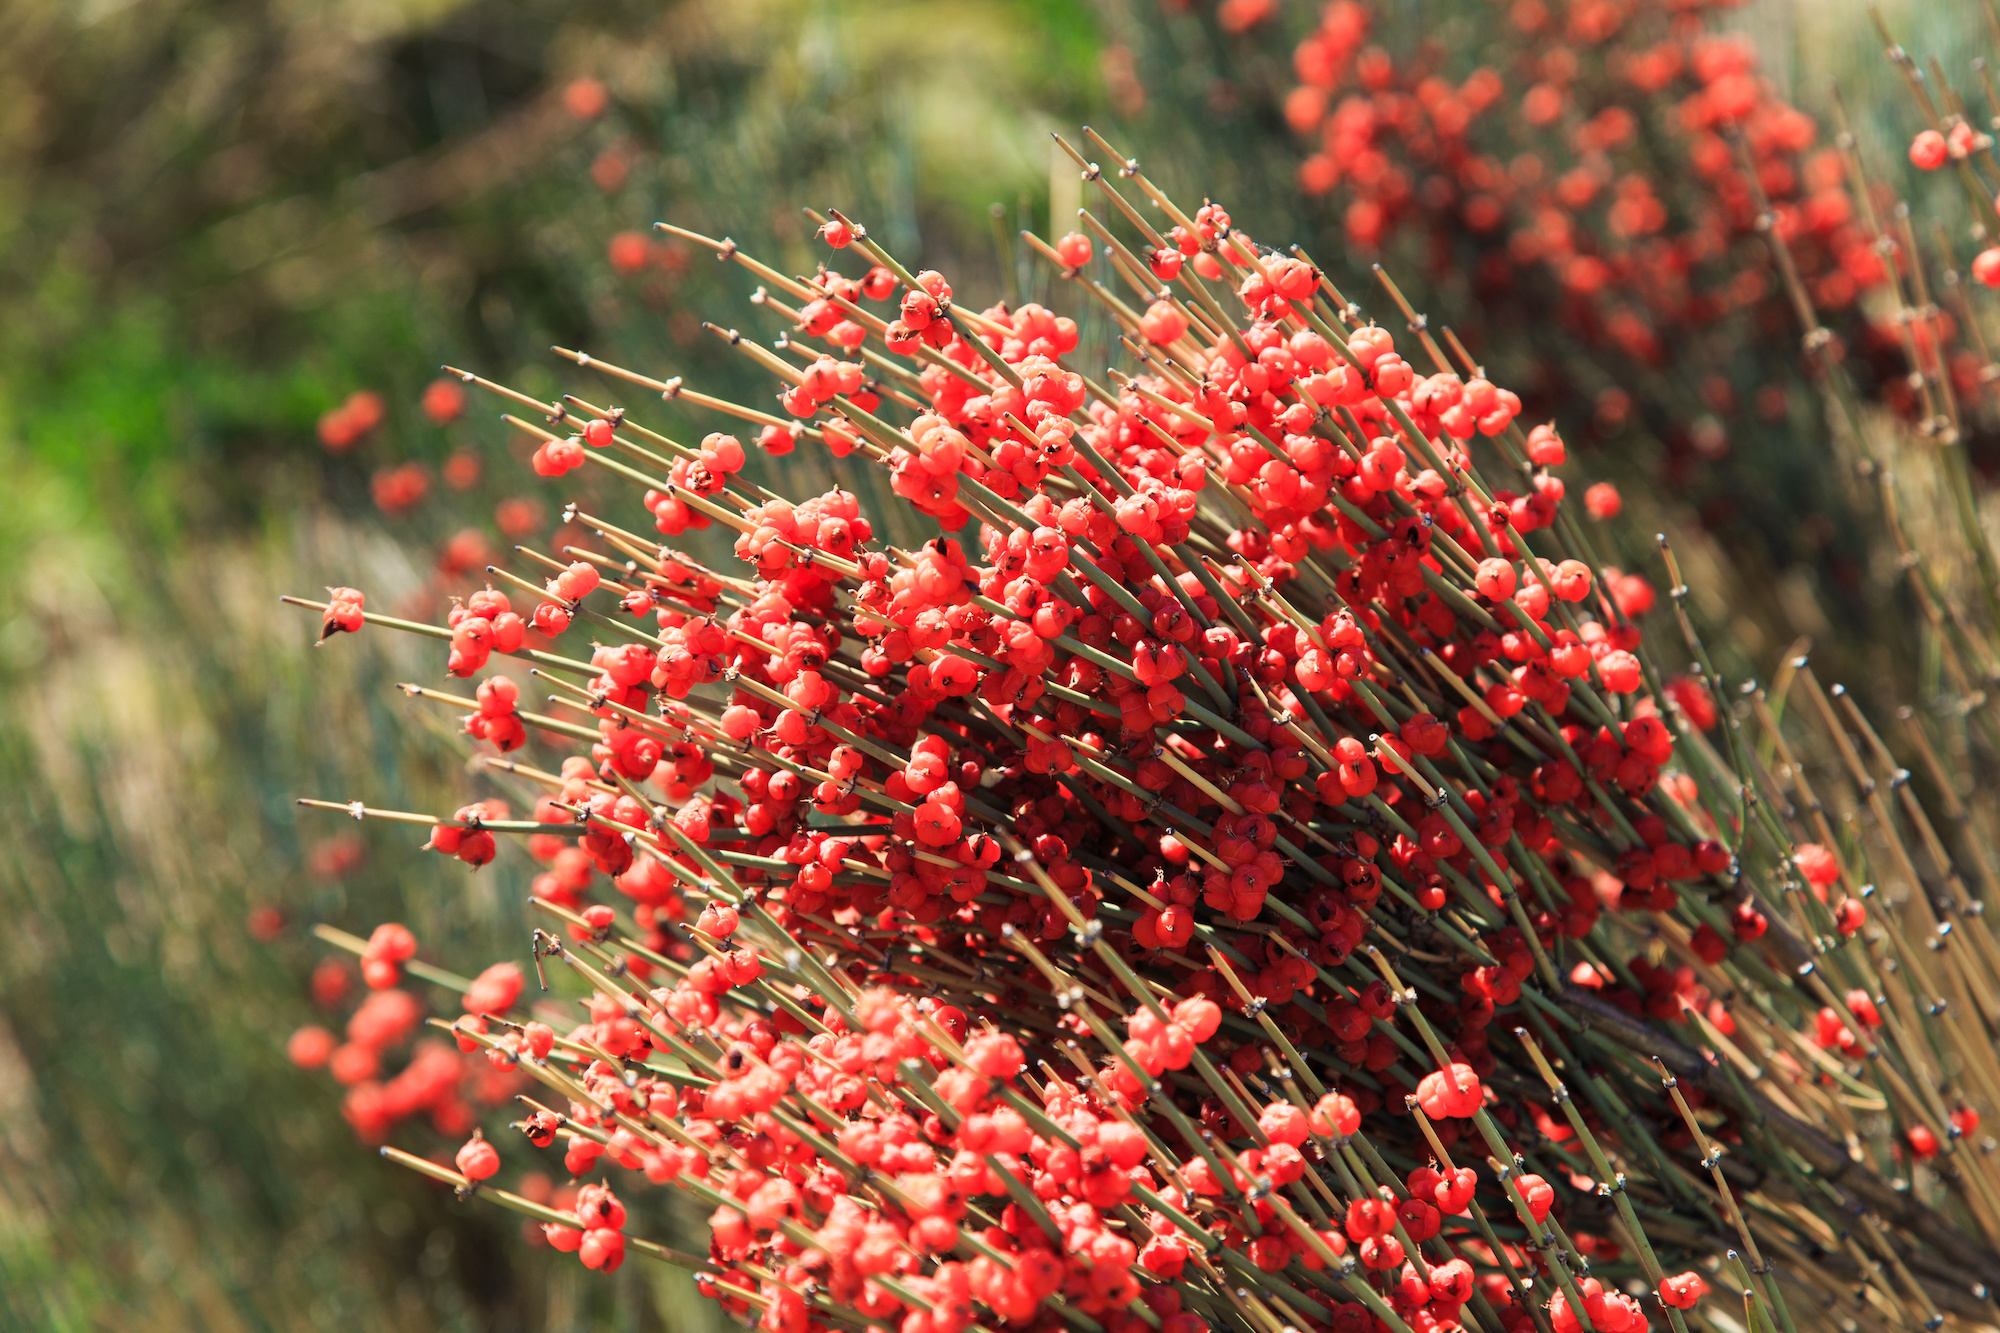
218 218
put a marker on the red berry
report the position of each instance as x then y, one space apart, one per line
1540 1196
630 252
585 98
494 990
1284 1123
1074 249
444 401
1453 1093
551 619
477 1159
1817 864
1454 1190
310 1047
1682 1290
1367 1218
392 943
1162 323
1545 447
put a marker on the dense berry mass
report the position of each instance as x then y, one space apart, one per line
1189 865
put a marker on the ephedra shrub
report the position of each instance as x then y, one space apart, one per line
1246 868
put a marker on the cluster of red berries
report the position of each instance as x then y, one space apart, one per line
436 1080
481 625
398 489
497 718
344 426
1471 160
1155 891
1590 201
383 957
464 837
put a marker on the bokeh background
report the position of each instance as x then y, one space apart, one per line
218 220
